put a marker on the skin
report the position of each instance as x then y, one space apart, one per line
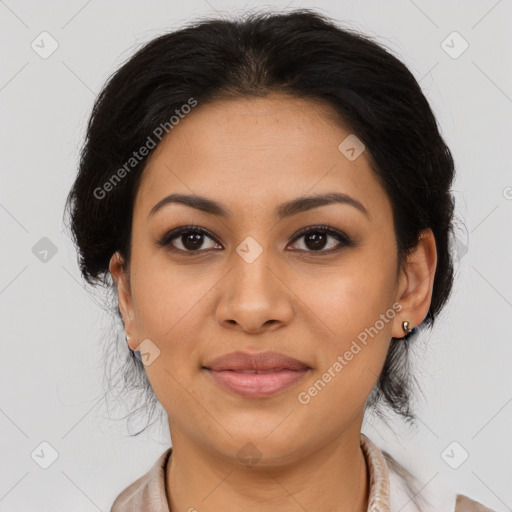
251 155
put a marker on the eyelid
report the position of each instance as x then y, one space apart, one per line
343 239
186 228
321 227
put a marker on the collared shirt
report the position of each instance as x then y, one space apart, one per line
388 491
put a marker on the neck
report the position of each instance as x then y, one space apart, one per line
330 477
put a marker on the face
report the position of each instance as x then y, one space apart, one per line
261 270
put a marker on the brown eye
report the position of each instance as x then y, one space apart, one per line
188 239
194 239
320 239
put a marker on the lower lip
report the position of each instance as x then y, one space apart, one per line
257 385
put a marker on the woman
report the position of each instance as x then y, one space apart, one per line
270 197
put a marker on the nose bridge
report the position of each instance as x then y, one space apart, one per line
253 295
251 273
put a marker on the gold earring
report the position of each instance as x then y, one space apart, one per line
405 327
128 338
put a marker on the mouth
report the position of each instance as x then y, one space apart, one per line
256 375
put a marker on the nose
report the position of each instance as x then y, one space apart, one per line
254 296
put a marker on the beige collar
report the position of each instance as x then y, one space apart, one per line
149 491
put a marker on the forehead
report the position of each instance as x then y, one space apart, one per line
258 151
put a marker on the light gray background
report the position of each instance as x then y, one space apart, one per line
52 329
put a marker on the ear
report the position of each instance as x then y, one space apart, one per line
124 297
416 283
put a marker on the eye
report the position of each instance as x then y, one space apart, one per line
187 239
316 239
190 239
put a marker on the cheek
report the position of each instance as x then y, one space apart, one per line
167 306
354 315
171 304
351 298
165 296
351 354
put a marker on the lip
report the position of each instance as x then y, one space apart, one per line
256 375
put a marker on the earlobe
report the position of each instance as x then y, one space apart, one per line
124 296
417 282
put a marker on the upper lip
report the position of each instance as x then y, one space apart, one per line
261 361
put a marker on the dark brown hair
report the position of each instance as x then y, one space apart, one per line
300 53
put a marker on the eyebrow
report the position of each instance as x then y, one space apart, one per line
284 210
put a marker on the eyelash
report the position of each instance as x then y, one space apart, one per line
345 240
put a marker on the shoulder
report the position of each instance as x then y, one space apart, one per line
147 492
466 504
407 495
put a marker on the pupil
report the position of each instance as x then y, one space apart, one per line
317 240
192 240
